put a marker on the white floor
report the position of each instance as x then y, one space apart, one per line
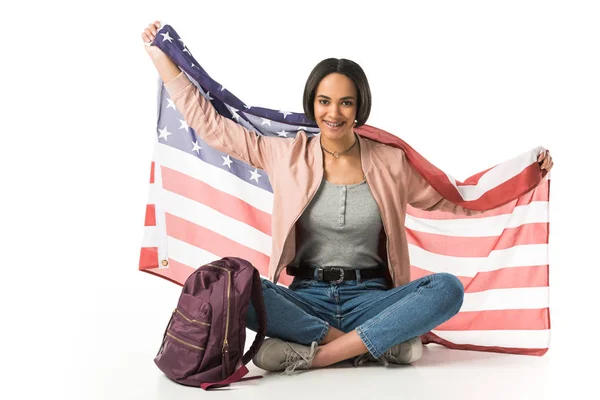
105 346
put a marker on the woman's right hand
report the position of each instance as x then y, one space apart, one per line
148 36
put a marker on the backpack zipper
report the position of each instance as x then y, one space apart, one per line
169 334
225 348
194 321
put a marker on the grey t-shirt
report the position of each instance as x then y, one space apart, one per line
340 227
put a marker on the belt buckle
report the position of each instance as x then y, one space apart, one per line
341 275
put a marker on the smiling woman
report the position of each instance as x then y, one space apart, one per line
340 202
338 98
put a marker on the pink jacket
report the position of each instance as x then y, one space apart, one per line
295 170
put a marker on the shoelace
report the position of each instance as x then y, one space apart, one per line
368 357
297 360
363 358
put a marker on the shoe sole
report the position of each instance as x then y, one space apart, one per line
416 349
264 349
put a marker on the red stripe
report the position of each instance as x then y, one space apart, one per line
148 258
213 242
540 193
462 246
430 337
504 278
496 320
224 203
176 272
474 180
150 215
497 196
152 172
525 181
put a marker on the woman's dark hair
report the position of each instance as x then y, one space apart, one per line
343 66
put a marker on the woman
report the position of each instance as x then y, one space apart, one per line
337 226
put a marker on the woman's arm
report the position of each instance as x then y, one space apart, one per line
423 196
217 131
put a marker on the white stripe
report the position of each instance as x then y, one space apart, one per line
150 238
216 177
531 298
209 218
161 226
497 175
153 193
188 254
516 256
523 339
534 212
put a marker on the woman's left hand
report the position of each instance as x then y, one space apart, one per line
545 160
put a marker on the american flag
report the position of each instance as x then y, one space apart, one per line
204 205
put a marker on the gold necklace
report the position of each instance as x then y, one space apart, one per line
337 154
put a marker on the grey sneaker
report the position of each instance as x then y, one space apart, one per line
278 355
403 353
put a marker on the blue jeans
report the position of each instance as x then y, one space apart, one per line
303 312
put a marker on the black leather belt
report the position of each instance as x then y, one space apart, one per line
335 274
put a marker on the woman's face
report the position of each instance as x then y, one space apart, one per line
335 103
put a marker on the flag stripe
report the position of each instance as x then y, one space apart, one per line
150 219
148 257
506 299
483 226
462 246
200 192
501 341
488 320
528 339
152 172
509 173
212 242
150 238
188 254
504 278
516 256
204 218
216 177
540 194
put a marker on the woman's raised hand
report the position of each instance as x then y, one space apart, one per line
148 36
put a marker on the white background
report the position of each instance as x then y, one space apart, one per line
468 84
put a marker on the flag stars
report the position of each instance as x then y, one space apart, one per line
285 113
164 133
196 147
254 175
234 112
207 96
171 104
185 49
184 125
265 122
167 37
227 161
282 133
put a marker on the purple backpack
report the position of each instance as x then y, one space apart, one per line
203 344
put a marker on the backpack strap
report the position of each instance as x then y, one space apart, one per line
258 303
